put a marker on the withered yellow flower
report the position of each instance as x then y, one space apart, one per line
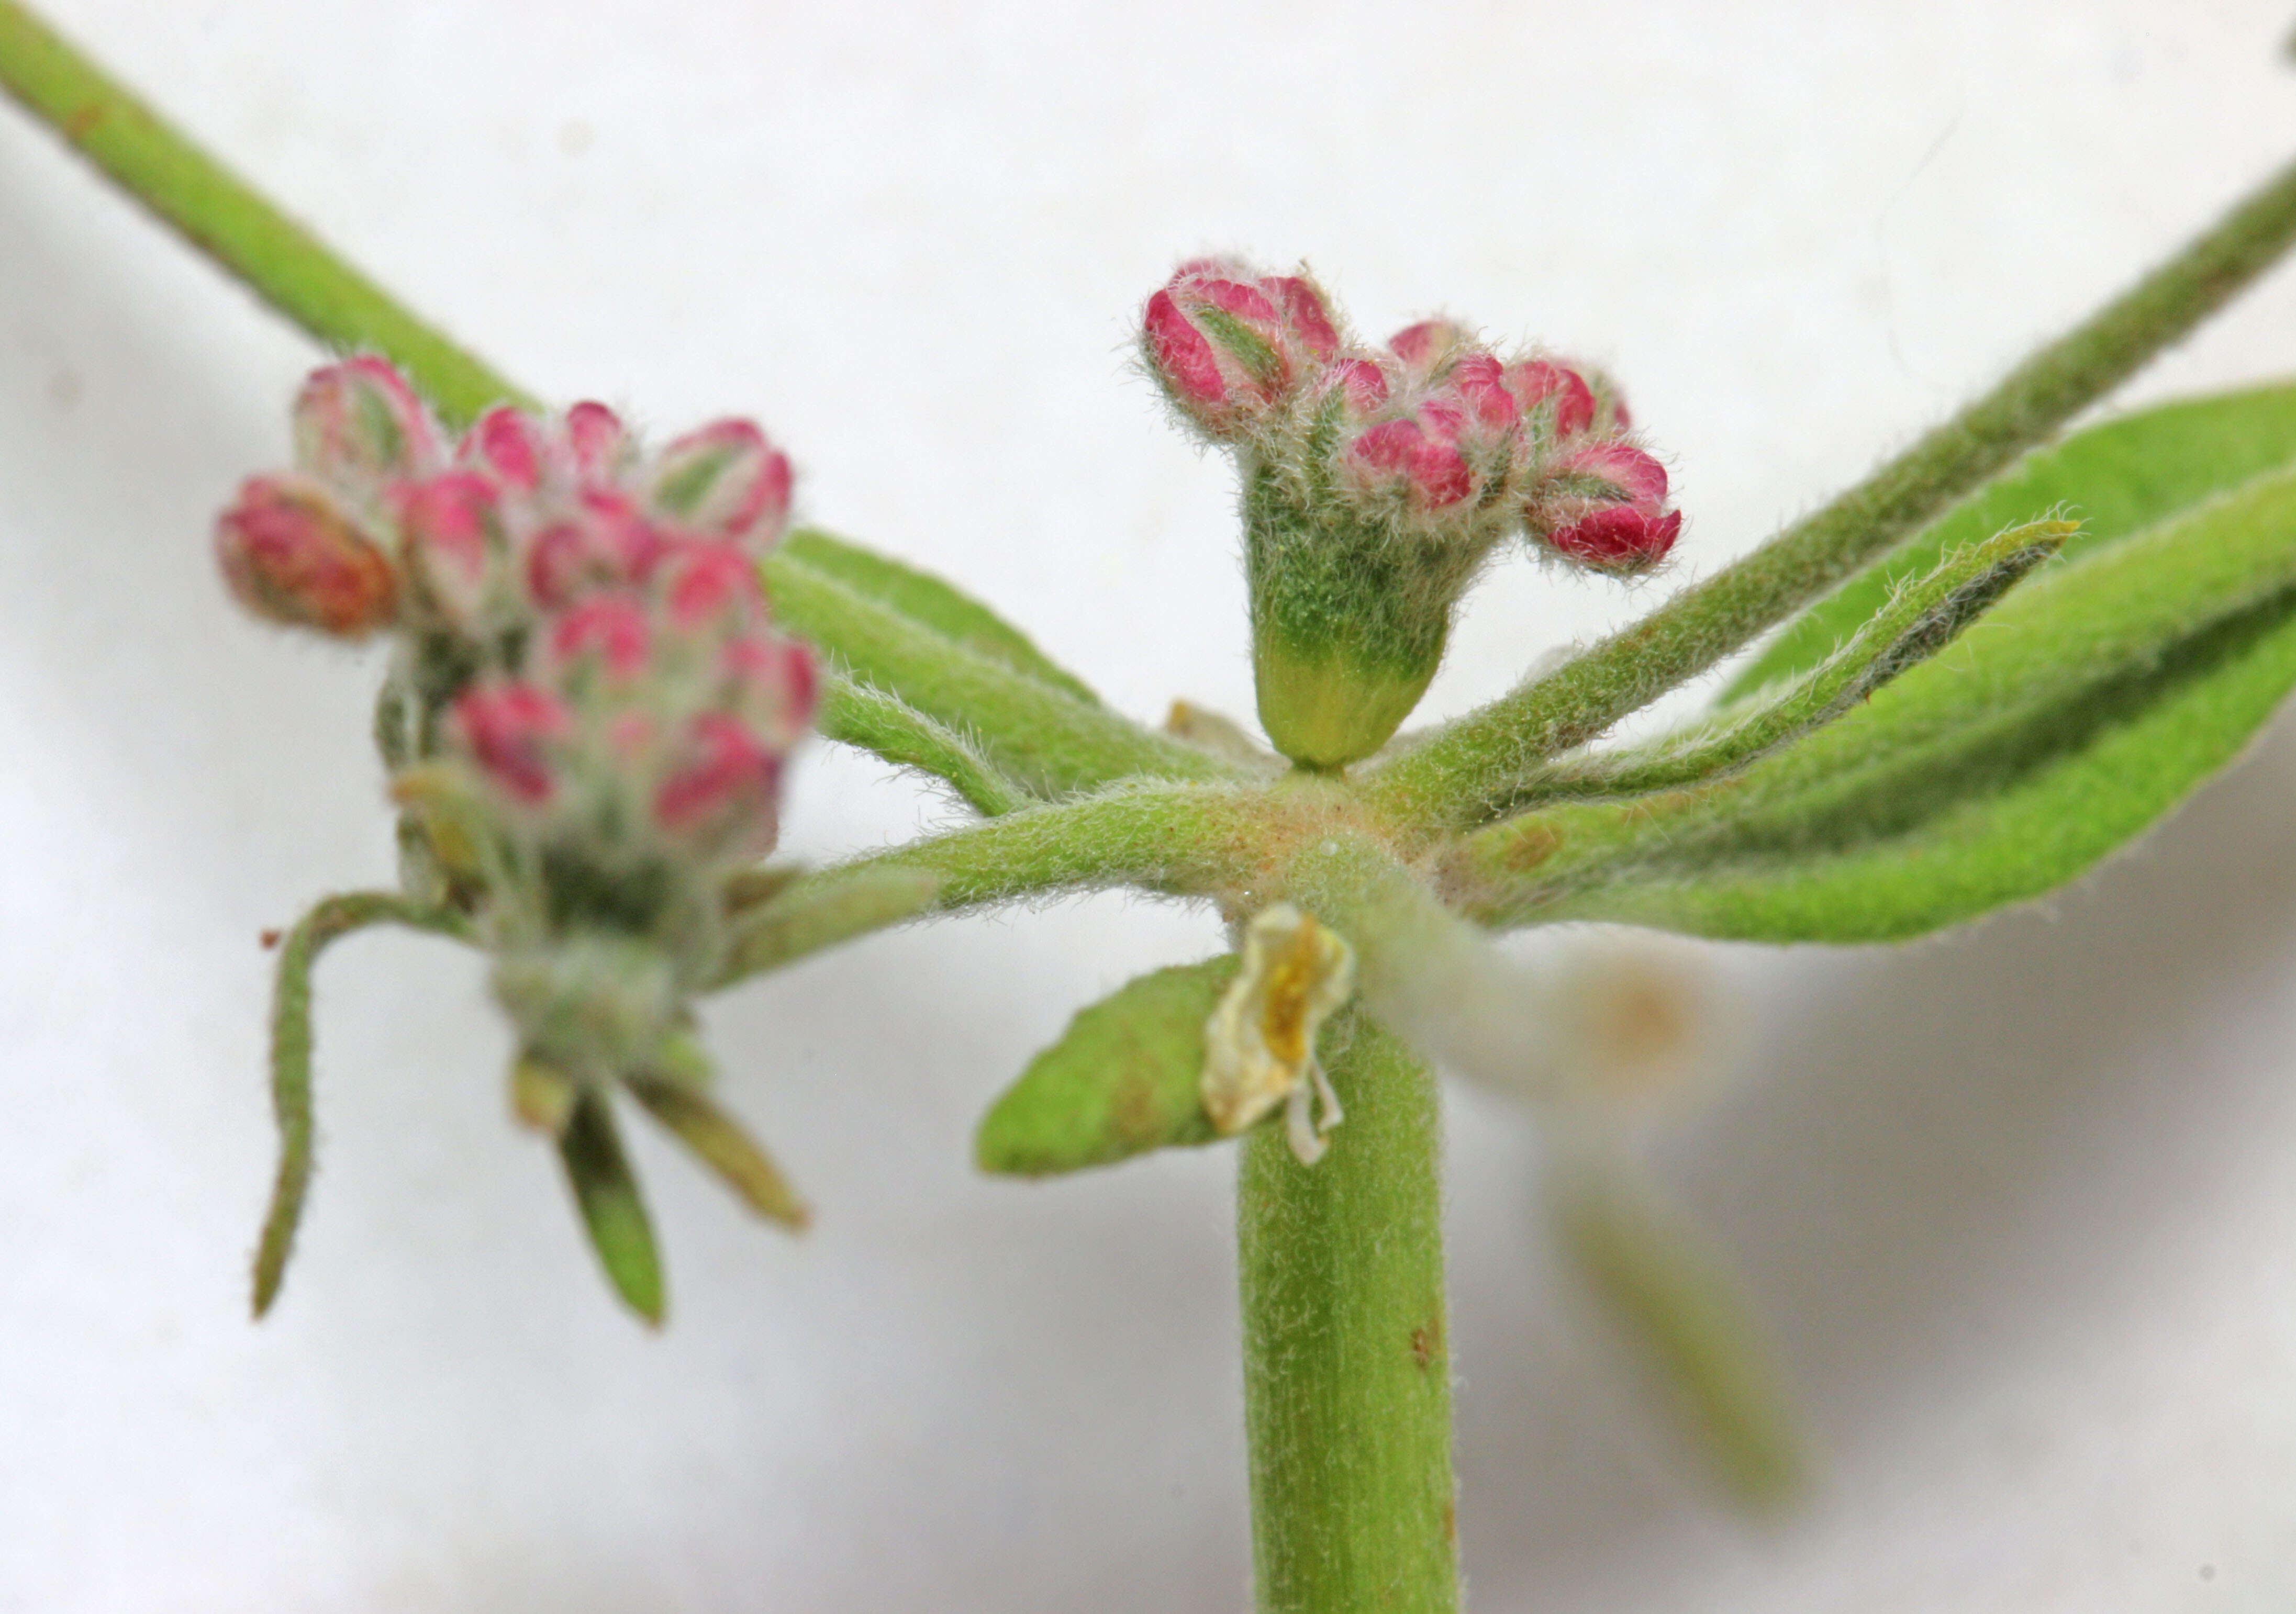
1259 1045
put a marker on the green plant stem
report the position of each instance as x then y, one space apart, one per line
1464 770
281 262
1182 840
1346 1364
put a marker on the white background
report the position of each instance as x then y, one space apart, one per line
2021 1204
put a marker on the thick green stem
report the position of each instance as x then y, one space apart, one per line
1461 775
281 262
1347 1364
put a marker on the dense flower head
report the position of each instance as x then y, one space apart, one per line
587 667
1435 434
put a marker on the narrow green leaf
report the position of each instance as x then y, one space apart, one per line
855 714
328 920
2118 478
2090 704
1124 1079
1913 621
1683 1313
820 911
2148 743
929 601
614 1214
720 1142
1034 731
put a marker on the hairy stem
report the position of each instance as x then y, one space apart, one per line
291 1056
1457 774
1347 1366
1187 840
281 262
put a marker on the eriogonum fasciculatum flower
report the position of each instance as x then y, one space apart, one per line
588 707
1376 482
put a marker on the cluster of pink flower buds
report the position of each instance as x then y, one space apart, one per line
1434 433
615 681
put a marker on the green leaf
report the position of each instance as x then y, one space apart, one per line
613 1214
2118 478
2091 703
1123 1079
928 601
720 1142
1915 621
1685 1315
855 714
820 911
1036 731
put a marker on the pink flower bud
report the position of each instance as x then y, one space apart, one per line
507 730
1402 457
709 581
1619 472
725 776
1425 346
1230 345
779 687
599 440
1478 384
1306 316
359 425
512 446
450 534
1622 538
613 628
292 554
724 478
1604 507
1537 381
1363 381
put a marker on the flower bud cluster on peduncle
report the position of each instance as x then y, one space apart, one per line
1377 480
589 708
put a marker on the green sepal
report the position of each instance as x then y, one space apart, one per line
613 1213
1686 1317
719 1142
926 600
1124 1079
820 911
2118 477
